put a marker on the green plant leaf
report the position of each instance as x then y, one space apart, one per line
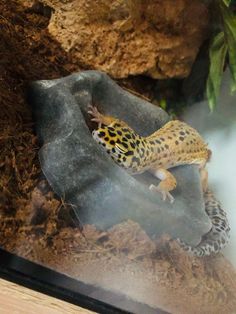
229 23
227 2
163 104
218 50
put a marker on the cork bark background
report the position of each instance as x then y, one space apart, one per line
129 37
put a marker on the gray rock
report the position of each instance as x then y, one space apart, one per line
81 172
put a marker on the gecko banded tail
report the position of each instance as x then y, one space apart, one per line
217 238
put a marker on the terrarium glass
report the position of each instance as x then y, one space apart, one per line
78 224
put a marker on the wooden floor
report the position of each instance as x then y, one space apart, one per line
15 299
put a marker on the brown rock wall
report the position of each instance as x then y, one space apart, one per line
156 38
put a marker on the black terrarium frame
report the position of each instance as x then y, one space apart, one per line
45 280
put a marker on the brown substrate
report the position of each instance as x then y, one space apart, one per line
36 225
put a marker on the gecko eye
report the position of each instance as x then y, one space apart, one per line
120 148
101 134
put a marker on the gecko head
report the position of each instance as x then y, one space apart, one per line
118 141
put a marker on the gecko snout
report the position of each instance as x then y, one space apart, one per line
95 135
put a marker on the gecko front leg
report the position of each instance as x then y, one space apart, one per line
104 119
99 117
168 183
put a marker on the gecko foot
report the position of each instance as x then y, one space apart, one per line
165 194
97 116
